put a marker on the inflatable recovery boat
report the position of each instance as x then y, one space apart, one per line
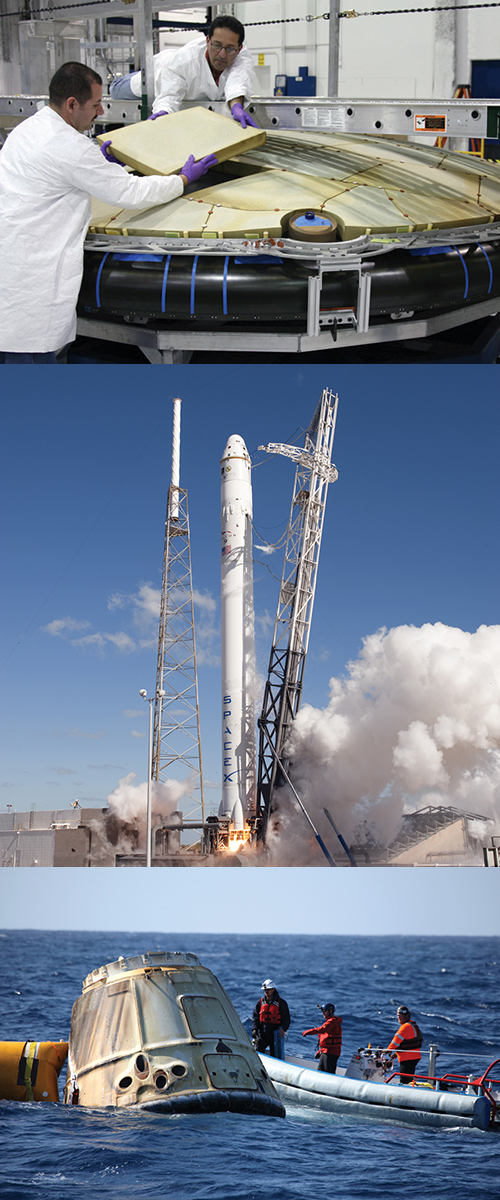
447 1102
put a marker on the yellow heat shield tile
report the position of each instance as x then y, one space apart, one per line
161 147
272 190
229 222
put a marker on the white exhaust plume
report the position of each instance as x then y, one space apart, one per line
128 800
416 721
122 828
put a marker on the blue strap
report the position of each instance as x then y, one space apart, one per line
427 250
464 264
224 286
164 284
98 280
483 251
193 278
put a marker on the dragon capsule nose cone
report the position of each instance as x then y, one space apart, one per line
235 448
158 1031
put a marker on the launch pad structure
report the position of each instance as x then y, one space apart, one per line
176 729
283 690
429 837
191 837
245 809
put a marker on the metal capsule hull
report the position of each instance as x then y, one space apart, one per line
159 1031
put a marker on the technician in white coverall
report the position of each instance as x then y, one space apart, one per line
217 67
48 172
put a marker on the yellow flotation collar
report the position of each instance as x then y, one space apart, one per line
29 1070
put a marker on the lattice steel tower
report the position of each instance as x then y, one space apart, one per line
176 730
283 689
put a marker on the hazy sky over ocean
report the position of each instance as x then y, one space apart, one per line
303 900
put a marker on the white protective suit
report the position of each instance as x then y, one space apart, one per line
187 76
48 173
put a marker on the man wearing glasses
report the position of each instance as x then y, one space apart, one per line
217 67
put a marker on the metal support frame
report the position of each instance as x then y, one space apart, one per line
493 851
286 777
283 690
144 18
162 347
317 317
414 119
333 48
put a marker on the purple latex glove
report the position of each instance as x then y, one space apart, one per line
194 170
238 114
107 153
158 114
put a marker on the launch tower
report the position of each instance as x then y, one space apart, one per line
176 731
283 689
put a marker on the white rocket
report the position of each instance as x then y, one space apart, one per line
237 629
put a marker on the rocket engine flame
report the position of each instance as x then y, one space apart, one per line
238 838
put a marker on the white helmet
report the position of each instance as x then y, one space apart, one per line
268 983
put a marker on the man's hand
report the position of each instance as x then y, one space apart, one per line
194 170
238 114
158 114
107 153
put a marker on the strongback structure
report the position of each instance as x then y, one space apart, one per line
176 731
283 689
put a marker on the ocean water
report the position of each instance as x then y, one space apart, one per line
450 984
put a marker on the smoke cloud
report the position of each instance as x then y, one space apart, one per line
415 721
122 828
128 801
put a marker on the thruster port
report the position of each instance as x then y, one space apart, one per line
141 1066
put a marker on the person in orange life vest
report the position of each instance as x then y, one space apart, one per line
406 1042
329 1037
271 1016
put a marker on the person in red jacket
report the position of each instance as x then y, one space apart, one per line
406 1042
329 1037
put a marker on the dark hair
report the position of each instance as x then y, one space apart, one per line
72 79
228 23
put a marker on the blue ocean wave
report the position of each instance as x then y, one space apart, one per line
53 1152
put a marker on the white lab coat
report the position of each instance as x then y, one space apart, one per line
48 173
187 76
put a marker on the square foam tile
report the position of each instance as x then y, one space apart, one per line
161 147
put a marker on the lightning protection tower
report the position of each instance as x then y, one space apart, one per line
283 689
176 731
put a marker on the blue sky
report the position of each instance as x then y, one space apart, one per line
448 901
411 535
